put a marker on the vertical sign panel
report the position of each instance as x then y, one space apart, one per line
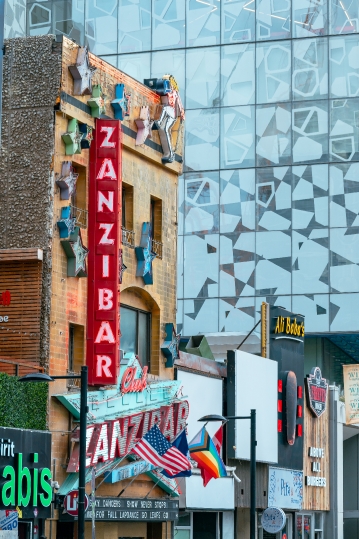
103 260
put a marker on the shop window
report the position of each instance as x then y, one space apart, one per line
156 226
76 348
135 333
183 527
205 525
309 526
128 235
79 198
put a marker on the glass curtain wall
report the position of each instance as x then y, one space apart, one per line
269 198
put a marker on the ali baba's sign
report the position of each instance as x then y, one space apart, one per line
103 259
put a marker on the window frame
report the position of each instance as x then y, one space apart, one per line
149 322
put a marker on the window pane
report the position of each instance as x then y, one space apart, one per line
273 72
237 137
203 23
101 26
184 519
134 24
182 534
237 21
202 139
143 338
310 69
273 19
128 320
202 78
168 24
273 134
344 67
136 65
237 75
344 130
309 18
170 62
343 16
310 131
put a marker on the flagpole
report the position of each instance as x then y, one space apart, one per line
155 485
130 483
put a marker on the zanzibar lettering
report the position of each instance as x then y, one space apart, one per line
285 325
103 260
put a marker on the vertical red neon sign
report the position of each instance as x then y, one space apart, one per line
102 356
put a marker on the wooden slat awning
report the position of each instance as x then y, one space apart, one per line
20 255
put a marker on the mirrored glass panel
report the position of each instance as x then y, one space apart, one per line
237 75
203 23
236 313
310 273
273 124
273 19
344 66
344 260
310 201
344 130
310 131
101 26
343 16
343 312
201 207
14 18
134 26
237 137
316 309
136 65
238 21
237 264
273 263
202 140
200 316
39 18
202 77
309 18
344 195
237 203
273 72
310 69
274 198
201 255
168 24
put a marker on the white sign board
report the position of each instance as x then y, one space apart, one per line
9 520
204 395
256 387
218 495
285 488
273 519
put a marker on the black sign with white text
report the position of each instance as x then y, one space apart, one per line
132 509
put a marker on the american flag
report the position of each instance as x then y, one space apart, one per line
155 449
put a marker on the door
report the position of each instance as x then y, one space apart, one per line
286 533
25 529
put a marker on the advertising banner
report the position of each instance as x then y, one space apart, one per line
285 489
351 393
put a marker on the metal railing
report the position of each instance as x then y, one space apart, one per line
157 247
128 237
80 216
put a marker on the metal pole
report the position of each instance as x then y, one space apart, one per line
253 476
82 457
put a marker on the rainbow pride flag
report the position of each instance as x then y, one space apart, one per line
204 452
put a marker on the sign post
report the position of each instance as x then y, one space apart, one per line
93 501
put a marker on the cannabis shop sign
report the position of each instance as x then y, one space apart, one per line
25 474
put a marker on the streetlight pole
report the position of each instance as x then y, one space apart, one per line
41 377
252 417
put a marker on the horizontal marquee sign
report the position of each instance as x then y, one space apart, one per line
116 438
103 259
132 509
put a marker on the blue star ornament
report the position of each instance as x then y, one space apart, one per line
145 255
121 103
66 224
76 254
170 347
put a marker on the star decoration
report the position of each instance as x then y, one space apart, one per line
87 136
170 348
97 102
144 255
82 73
67 180
122 268
76 254
121 103
72 138
67 222
144 125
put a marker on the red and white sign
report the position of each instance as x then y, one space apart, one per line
71 503
103 261
130 384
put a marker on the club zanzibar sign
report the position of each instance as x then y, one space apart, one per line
103 258
25 475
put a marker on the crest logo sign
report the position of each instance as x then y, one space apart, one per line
317 389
